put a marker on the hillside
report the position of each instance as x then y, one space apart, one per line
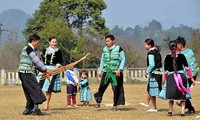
13 20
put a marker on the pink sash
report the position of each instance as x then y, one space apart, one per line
189 73
179 81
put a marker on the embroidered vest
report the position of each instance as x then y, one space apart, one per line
157 59
111 59
25 63
192 63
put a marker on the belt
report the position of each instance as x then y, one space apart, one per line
157 72
26 71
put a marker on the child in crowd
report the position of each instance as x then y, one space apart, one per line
72 82
85 93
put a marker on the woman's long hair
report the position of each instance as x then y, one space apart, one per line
172 47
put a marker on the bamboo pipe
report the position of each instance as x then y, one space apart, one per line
61 69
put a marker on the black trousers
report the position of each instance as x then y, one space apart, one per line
118 90
188 104
32 90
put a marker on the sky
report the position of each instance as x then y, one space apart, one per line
129 13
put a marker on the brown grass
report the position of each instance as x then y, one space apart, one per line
12 102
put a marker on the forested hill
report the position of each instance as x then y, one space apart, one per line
74 45
13 20
153 30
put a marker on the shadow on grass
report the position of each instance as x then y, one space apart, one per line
67 108
164 109
118 109
126 109
46 113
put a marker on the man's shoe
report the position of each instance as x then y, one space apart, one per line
190 112
37 112
27 112
97 105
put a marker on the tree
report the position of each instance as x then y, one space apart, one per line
10 52
117 30
137 32
134 57
182 30
84 13
195 43
129 31
165 43
77 13
83 17
48 9
155 25
58 28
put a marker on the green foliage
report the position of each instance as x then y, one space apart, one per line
59 28
48 10
72 22
83 13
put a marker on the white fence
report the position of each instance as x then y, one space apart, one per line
10 77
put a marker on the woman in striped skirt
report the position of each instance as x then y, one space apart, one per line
153 72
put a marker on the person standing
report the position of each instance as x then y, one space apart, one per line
85 93
29 61
192 63
111 67
153 72
71 88
176 81
52 58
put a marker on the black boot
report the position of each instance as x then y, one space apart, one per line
36 111
27 112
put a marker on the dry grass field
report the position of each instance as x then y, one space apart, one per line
12 102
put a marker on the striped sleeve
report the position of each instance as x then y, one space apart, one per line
36 60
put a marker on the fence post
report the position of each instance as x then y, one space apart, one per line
3 82
76 72
125 72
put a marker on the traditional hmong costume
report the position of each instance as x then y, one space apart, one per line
175 87
71 88
85 93
52 58
29 61
154 70
192 63
112 59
